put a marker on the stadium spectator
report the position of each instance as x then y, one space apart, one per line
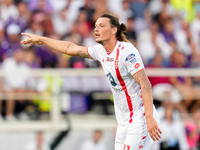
94 143
61 22
40 5
158 6
8 10
100 8
31 59
17 84
183 38
38 143
173 137
131 33
163 90
48 57
138 7
192 130
150 42
189 92
195 31
115 6
144 23
125 12
22 19
89 8
59 5
12 42
83 26
168 31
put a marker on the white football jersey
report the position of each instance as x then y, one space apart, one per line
119 66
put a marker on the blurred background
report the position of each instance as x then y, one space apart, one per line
51 101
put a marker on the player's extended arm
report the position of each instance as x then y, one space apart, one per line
146 89
65 47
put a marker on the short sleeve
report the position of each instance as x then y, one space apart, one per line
133 61
93 51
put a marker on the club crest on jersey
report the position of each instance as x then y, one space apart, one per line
131 58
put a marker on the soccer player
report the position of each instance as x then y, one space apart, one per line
135 113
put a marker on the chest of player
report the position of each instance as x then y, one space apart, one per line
114 69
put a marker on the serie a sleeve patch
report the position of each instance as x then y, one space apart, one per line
131 58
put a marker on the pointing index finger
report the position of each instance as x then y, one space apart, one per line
26 34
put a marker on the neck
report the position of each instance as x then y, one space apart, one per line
109 45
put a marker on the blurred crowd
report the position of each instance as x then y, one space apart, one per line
166 33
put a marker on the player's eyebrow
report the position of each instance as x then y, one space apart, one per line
98 24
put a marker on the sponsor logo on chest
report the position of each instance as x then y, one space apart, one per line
110 59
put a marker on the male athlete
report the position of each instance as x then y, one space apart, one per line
135 114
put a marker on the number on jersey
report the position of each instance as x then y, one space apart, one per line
111 79
126 147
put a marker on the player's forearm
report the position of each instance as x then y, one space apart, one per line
146 90
60 46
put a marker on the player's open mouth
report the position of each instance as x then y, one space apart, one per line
97 35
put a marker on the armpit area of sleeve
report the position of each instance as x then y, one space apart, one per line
90 53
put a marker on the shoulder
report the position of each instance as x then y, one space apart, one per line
128 49
96 51
97 46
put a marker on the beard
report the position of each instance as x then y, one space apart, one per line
100 42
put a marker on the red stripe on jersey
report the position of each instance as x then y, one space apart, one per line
117 56
121 81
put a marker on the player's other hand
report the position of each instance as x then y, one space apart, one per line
31 39
153 129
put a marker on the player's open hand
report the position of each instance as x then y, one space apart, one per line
153 129
31 40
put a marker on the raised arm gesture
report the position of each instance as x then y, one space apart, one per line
65 47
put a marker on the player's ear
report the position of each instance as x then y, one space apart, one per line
114 30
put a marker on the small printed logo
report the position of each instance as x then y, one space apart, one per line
131 58
141 146
144 137
110 59
137 65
